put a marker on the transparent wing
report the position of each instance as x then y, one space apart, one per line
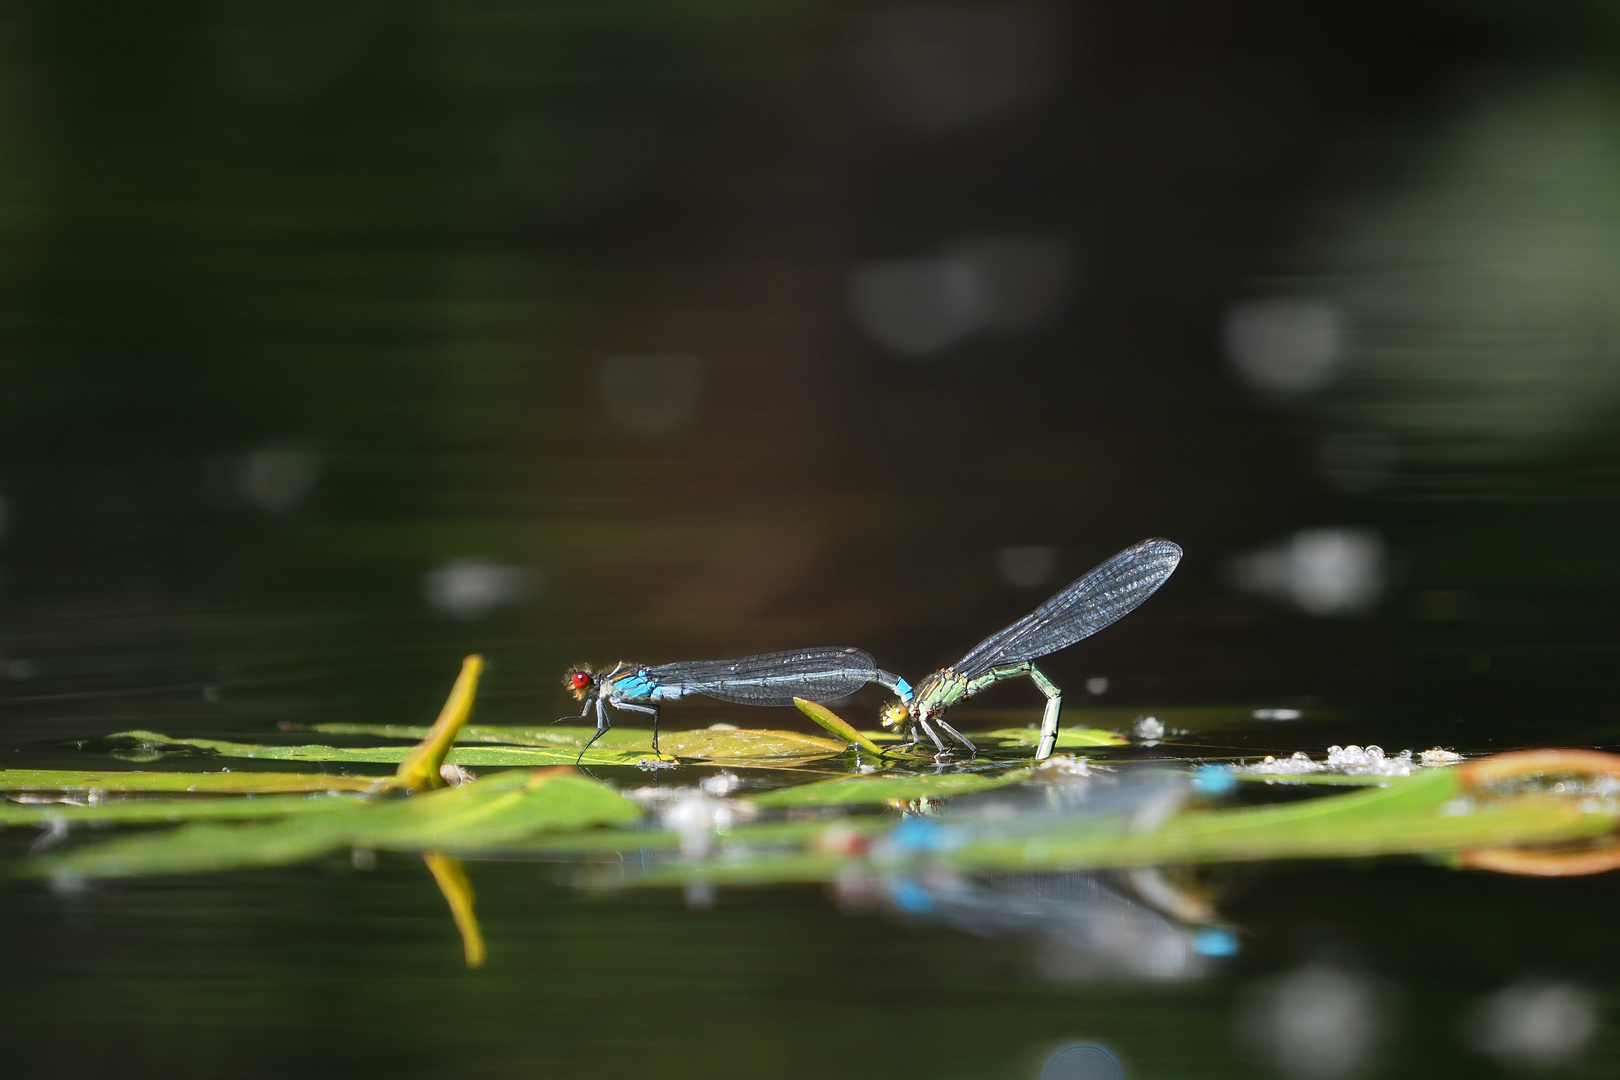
1103 596
773 678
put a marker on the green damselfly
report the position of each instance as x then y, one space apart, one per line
1102 597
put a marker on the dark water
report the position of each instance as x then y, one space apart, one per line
338 340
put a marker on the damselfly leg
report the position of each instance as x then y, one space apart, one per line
1049 719
931 733
576 716
957 735
602 725
651 709
1054 698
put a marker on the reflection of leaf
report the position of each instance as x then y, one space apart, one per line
150 811
1407 816
203 783
1411 815
1324 779
1071 738
859 790
740 748
508 806
1201 718
458 893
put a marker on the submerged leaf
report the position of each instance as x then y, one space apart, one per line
202 783
878 789
509 806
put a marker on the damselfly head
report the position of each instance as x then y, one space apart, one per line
579 681
894 715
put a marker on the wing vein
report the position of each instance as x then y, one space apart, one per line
1103 596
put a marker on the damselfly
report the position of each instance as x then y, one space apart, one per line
769 679
1100 598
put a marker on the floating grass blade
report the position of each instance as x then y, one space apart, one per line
836 724
734 748
420 769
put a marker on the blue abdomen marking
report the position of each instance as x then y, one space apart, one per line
636 687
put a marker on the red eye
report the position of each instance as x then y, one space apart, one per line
579 680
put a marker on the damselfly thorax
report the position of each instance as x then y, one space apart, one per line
939 692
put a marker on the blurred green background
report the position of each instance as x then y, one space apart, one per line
672 330
340 338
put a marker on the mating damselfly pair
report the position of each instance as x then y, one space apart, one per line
1098 599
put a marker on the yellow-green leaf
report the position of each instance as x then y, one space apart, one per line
836 724
509 806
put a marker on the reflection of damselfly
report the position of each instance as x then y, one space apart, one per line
1100 598
769 679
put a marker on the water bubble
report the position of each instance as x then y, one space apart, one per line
1023 280
1286 347
722 783
1323 572
1318 1023
278 476
471 588
1533 1024
700 895
1147 729
917 307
